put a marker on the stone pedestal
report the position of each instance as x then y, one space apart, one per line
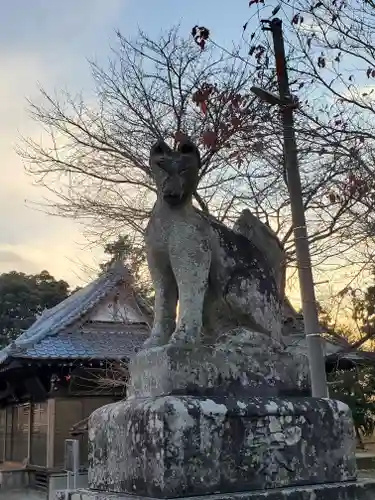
359 490
243 363
173 446
222 419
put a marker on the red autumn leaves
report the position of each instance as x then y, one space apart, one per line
229 108
354 187
252 2
200 35
202 95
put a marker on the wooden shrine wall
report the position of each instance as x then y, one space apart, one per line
68 412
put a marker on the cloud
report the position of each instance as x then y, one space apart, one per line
11 259
48 44
9 256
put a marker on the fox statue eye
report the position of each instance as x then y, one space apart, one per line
187 149
160 149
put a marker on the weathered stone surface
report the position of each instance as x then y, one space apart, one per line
242 362
216 403
361 490
176 446
266 240
219 277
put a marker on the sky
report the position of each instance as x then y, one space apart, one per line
48 43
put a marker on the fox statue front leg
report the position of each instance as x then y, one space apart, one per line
165 302
191 261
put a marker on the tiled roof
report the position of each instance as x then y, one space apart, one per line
88 344
297 343
335 348
50 330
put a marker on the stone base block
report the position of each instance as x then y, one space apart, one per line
176 446
242 362
361 490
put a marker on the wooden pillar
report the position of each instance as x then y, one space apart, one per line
30 425
51 412
10 423
5 433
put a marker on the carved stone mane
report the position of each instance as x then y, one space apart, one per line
219 278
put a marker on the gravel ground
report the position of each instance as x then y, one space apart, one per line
366 474
36 495
22 495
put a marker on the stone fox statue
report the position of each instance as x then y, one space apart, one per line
219 279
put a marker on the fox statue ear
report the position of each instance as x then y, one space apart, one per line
188 147
157 153
160 148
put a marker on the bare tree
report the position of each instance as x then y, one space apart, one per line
332 72
336 42
95 160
